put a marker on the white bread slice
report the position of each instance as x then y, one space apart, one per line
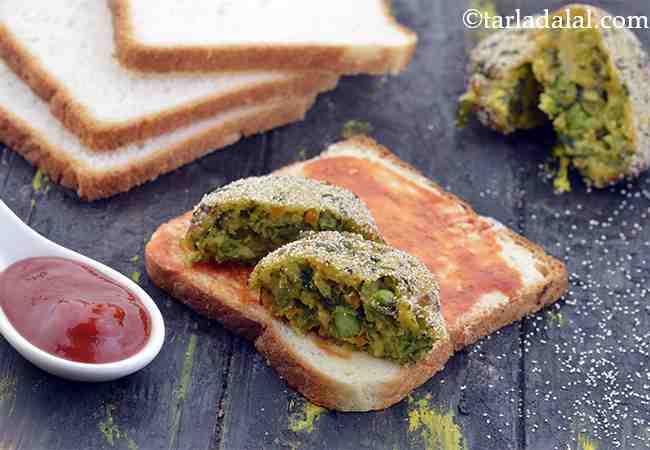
341 36
27 126
64 50
489 277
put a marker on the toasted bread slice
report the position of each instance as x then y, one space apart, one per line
334 36
64 50
489 277
27 126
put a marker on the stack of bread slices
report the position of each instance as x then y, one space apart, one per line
104 96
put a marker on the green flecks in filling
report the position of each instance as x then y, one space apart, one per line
366 317
588 107
506 104
523 104
247 234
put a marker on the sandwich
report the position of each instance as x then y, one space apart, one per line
486 277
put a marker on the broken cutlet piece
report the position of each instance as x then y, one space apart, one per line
502 91
361 294
249 218
595 90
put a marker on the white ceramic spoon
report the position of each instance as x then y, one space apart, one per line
18 242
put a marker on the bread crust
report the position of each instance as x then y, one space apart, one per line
106 136
329 392
528 302
92 184
217 298
340 60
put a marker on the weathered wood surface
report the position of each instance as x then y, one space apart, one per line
572 377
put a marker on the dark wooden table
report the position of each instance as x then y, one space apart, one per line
575 376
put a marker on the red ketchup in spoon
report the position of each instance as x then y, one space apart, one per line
72 311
